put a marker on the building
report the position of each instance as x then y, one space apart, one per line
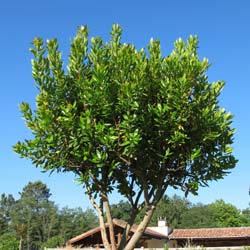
92 238
210 237
158 237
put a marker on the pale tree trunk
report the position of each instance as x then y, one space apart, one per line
99 210
20 244
110 223
104 232
150 208
141 228
127 230
28 241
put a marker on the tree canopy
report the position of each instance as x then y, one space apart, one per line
129 120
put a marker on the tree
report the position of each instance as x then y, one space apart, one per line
172 209
226 214
6 205
53 242
72 222
246 216
121 210
33 216
198 216
37 222
127 120
89 220
8 241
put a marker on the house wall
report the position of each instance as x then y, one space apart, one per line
209 242
207 248
161 248
172 244
154 243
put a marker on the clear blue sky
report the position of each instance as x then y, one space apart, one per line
223 28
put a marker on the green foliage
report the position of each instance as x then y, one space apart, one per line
37 222
226 215
121 210
73 222
246 217
198 216
33 215
6 205
181 213
8 241
53 242
117 108
172 209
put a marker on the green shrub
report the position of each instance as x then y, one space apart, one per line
54 241
8 241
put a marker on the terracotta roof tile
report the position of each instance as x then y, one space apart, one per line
233 232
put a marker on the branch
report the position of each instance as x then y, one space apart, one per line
101 218
138 198
110 222
92 200
124 160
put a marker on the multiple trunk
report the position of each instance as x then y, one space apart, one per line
123 243
151 198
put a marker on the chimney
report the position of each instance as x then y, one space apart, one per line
162 222
162 227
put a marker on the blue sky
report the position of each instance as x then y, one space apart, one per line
223 28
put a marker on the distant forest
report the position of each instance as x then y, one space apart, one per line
34 221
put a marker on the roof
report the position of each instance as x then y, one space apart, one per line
211 233
122 224
84 235
147 232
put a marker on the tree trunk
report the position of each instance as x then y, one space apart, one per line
127 230
104 233
20 244
28 241
111 224
99 210
141 228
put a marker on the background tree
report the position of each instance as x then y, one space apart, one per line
121 210
246 216
181 213
226 215
6 206
37 222
33 216
8 241
172 209
53 242
198 216
127 119
72 222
